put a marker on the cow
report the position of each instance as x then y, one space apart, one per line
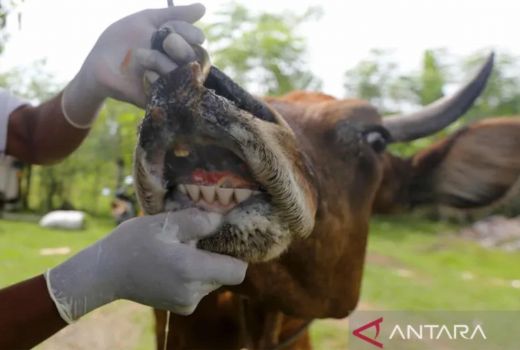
297 179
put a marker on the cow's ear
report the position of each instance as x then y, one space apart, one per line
476 167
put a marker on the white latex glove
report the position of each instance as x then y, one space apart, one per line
115 66
144 260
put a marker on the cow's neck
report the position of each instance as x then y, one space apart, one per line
228 321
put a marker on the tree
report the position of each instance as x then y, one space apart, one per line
6 7
369 79
261 51
431 79
502 94
379 80
31 82
81 177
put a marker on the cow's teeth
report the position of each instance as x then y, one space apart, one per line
241 194
208 193
211 193
194 192
224 195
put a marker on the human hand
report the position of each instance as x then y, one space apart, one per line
151 260
116 64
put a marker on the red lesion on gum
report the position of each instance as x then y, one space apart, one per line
225 179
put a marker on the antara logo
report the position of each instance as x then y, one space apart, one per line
436 331
377 324
420 332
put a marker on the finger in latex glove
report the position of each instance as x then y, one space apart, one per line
176 50
116 64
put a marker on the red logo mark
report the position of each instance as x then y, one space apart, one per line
377 324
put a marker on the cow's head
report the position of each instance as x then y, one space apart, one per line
233 156
299 174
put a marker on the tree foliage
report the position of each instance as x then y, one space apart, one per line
6 7
262 51
32 82
368 79
502 94
81 178
380 80
432 79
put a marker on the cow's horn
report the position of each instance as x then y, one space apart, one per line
440 113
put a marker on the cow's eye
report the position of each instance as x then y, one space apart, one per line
377 137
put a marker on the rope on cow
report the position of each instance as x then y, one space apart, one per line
166 330
294 337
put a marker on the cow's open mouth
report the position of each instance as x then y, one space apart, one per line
213 178
210 177
200 146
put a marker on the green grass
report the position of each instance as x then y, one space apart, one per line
20 244
415 264
412 264
329 334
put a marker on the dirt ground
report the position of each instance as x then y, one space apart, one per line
120 325
128 326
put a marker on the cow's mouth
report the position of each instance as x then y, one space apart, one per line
199 149
209 177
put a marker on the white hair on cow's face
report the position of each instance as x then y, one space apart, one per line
149 186
251 233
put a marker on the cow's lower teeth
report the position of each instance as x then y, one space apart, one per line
210 194
225 195
193 192
241 194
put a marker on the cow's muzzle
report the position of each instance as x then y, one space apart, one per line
205 142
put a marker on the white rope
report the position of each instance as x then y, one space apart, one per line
166 330
168 313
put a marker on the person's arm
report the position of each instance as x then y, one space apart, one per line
42 135
28 315
151 260
114 68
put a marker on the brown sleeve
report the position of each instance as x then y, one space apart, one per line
28 315
42 135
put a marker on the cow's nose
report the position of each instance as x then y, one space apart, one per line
227 88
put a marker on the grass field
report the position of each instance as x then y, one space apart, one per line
412 264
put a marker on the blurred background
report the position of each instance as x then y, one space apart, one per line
397 54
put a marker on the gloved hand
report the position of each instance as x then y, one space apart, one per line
115 66
145 260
